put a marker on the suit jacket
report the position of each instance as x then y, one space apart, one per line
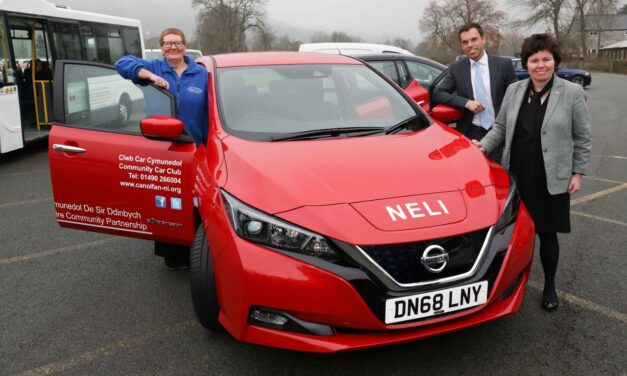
565 135
456 88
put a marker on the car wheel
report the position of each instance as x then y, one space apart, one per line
204 294
578 80
124 110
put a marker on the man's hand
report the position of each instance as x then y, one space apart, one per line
475 106
478 144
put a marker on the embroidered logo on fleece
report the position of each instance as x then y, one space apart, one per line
194 90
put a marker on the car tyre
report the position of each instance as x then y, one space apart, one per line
204 293
578 80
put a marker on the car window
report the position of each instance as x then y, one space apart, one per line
425 74
260 102
405 76
517 64
96 97
388 68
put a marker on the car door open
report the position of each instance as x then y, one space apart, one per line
107 175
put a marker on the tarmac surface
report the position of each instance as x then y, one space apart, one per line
78 303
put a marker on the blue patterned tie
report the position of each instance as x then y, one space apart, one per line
482 97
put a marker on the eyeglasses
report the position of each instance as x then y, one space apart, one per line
177 43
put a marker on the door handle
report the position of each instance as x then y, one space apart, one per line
421 103
67 148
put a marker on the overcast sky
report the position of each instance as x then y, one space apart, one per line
373 20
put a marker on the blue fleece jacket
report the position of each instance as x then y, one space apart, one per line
189 89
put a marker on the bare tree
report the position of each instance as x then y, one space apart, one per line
584 8
401 42
264 39
441 22
512 41
562 15
336 36
223 24
558 14
284 43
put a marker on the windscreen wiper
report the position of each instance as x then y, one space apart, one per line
403 124
328 132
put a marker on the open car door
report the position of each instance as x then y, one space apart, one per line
120 162
444 114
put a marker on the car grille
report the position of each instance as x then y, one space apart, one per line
402 261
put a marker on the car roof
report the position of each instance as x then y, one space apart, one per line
355 47
244 59
388 56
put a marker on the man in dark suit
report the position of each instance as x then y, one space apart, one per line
476 85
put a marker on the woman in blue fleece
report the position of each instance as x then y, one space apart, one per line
188 82
177 73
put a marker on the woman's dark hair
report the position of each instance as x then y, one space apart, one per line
540 42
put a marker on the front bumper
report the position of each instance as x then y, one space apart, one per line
348 299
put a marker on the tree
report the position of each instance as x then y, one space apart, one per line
336 36
589 7
441 22
264 39
401 42
512 41
223 24
556 13
561 15
622 10
284 43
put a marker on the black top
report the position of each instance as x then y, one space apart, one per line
550 213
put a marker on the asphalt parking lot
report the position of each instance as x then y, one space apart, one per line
79 303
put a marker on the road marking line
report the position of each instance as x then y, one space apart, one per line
108 350
598 194
614 221
76 247
33 172
605 180
583 303
26 202
609 156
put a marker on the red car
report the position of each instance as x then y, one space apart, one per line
326 211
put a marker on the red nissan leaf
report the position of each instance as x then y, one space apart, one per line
325 212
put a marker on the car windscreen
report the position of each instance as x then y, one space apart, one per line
274 102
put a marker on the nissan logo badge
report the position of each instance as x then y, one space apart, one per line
434 258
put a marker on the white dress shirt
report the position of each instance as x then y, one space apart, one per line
485 73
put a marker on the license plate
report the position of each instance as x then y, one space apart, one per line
435 302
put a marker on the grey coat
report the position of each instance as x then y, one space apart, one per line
565 134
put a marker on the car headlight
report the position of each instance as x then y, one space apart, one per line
263 229
511 207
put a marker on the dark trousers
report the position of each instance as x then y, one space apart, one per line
477 133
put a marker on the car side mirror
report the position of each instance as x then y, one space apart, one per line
446 114
161 127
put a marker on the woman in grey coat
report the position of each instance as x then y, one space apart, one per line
544 125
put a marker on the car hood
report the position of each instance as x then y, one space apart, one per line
281 176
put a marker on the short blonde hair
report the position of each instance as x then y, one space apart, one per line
173 31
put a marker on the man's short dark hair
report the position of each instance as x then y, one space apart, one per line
468 26
540 42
